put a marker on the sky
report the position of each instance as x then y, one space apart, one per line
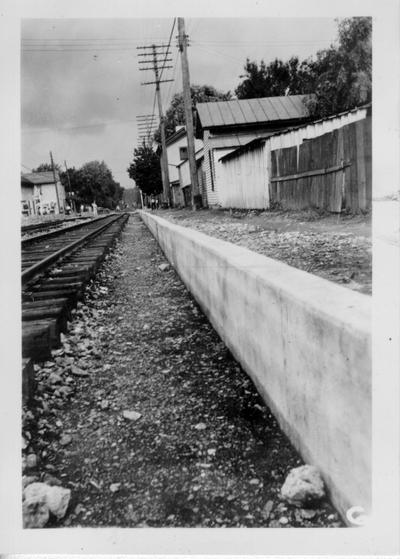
81 85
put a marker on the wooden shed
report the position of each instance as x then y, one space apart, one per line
226 125
325 164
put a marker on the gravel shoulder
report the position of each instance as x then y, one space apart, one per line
336 248
148 419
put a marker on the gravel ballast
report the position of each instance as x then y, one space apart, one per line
335 247
148 419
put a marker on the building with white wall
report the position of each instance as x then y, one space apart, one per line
226 125
177 154
244 174
40 195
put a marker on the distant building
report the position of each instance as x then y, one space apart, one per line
177 153
40 195
226 125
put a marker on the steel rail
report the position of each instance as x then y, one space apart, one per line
27 274
58 231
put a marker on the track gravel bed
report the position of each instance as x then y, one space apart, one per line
205 450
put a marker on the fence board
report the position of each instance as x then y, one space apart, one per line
362 198
341 161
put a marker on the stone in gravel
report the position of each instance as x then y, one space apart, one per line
27 480
163 267
65 390
35 511
31 461
200 426
303 485
65 439
58 500
54 378
57 352
114 487
308 513
48 479
131 415
40 499
254 481
283 520
78 372
104 404
266 511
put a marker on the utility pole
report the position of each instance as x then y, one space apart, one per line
153 63
55 180
187 99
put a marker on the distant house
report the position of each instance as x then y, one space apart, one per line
226 125
177 153
40 195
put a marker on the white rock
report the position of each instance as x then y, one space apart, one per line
114 487
54 378
65 439
35 512
200 426
31 461
35 508
78 372
58 500
163 267
132 415
40 499
303 485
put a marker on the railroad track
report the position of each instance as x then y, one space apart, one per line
33 228
56 266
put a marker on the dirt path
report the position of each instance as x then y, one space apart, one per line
205 450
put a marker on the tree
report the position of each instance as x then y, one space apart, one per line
145 170
175 114
93 182
46 167
278 78
343 74
340 76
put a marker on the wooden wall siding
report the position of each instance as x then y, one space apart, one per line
211 194
243 182
345 182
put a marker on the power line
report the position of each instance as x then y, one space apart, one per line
155 51
104 123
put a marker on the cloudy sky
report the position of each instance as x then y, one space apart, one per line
80 82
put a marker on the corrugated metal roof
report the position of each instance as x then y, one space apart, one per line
44 177
260 139
250 111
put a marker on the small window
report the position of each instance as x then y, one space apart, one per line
183 153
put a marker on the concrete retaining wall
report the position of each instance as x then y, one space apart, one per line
304 341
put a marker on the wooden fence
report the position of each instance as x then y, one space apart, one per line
331 172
